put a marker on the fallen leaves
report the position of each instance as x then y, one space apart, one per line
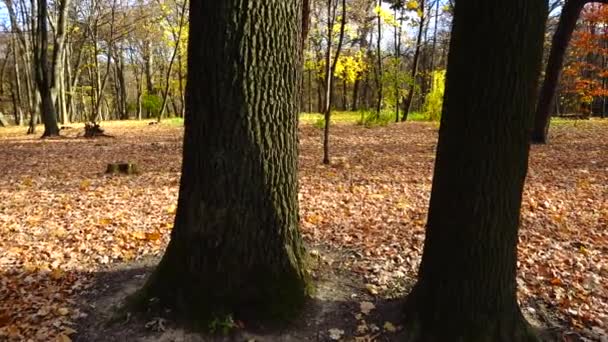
62 219
366 307
336 334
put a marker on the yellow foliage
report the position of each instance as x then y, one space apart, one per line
349 68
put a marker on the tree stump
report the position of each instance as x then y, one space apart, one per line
122 168
92 130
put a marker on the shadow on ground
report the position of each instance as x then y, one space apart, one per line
334 309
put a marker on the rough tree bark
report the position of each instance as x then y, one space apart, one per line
407 104
466 290
565 27
235 246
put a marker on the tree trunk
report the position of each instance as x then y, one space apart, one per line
379 83
561 39
398 32
17 86
235 246
330 70
180 77
434 46
355 103
344 95
58 61
148 69
43 77
121 86
177 37
466 290
407 104
310 96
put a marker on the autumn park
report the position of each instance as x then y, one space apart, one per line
304 170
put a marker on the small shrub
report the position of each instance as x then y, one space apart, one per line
433 103
372 119
417 116
151 104
320 123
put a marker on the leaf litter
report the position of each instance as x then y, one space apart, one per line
62 219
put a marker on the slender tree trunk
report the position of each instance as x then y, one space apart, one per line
177 38
43 77
148 69
355 104
235 246
466 289
310 92
379 83
17 86
61 96
344 94
180 75
407 104
434 47
398 30
561 39
320 101
58 61
330 70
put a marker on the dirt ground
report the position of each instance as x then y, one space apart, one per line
75 241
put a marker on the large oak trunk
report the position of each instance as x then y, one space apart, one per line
235 247
466 289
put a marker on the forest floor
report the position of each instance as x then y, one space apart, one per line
74 241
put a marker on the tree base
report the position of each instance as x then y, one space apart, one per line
539 139
429 324
198 301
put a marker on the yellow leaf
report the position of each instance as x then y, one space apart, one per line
27 182
139 235
171 210
412 5
30 268
84 184
57 274
60 232
63 338
63 311
69 331
153 236
372 289
314 219
105 221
